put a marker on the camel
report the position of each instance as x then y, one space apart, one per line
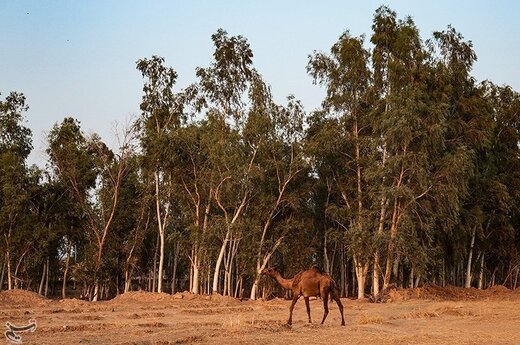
309 283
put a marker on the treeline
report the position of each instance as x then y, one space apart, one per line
408 174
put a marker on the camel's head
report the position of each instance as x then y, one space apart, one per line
271 271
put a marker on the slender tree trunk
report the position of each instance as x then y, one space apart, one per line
443 272
2 276
481 273
128 280
342 269
417 281
175 263
391 246
470 258
154 273
161 264
64 287
161 226
9 273
47 277
42 281
219 262
380 228
395 268
95 295
325 255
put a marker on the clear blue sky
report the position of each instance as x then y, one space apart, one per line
78 57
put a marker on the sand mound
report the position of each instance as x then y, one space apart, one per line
17 297
142 296
223 299
72 302
434 292
498 289
448 293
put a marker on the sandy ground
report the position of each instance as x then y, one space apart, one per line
410 317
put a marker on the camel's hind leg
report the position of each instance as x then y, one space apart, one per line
340 306
325 297
308 308
294 300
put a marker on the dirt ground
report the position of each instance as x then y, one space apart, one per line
429 315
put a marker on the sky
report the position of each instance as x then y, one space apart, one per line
77 58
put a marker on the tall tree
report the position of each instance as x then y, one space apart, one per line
162 112
15 146
346 75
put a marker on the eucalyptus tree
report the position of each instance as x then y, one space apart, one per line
469 124
494 187
347 77
222 91
15 146
93 175
280 173
162 113
409 122
195 175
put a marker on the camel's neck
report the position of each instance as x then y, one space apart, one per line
285 283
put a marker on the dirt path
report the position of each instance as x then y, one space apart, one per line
141 318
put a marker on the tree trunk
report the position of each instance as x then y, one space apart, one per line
325 255
47 277
380 228
361 275
95 296
443 272
342 269
219 263
481 273
161 226
391 245
417 281
2 276
174 271
128 280
9 280
154 272
42 281
161 264
64 287
470 258
196 273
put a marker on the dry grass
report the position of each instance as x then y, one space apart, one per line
370 320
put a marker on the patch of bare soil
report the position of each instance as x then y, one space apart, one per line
430 315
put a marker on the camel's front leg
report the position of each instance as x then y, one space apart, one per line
294 300
308 308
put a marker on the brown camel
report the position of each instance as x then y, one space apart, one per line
309 283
